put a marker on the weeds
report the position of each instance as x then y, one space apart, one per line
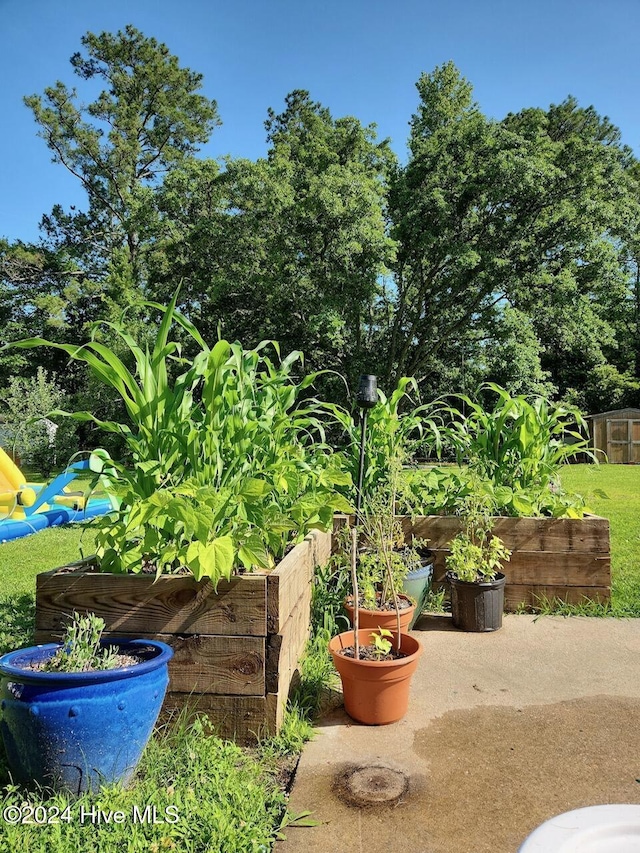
193 792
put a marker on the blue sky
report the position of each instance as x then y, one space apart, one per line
357 57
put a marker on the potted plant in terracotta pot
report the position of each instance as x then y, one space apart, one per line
375 671
395 428
78 714
474 569
383 565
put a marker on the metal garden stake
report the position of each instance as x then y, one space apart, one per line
366 399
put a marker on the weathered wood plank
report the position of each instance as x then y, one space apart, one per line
288 582
586 535
244 719
219 638
139 604
516 595
285 649
206 664
543 567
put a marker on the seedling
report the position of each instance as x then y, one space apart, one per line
381 645
81 650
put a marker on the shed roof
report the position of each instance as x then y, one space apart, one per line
615 412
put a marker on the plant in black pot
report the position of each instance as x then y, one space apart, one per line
78 714
474 569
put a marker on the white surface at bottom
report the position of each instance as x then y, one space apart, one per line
596 829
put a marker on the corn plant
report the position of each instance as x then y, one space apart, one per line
392 436
518 447
228 463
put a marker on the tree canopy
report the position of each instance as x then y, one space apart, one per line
503 249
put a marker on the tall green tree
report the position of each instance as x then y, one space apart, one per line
291 246
522 211
147 120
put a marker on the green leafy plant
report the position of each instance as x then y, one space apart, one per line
517 448
383 561
381 645
476 556
228 463
434 491
392 435
81 650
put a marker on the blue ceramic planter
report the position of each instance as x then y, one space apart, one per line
79 730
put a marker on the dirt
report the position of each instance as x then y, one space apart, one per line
122 661
403 604
371 653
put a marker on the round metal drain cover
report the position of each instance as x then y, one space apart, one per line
374 784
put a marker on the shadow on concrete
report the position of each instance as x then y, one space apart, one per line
435 622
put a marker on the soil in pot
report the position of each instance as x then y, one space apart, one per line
371 653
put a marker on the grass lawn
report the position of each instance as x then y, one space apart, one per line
621 484
22 559
225 798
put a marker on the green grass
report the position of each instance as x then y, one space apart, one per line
621 484
22 559
208 795
228 799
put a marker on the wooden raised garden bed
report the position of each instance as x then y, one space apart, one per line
236 649
564 558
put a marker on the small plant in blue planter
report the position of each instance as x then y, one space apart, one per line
78 714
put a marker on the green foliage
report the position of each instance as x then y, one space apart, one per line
383 561
512 357
25 404
517 448
475 555
289 247
81 650
227 461
476 561
381 645
330 589
17 617
392 436
525 212
433 491
155 119
185 771
503 250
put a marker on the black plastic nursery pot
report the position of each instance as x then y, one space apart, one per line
476 606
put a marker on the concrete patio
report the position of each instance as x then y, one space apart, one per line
504 731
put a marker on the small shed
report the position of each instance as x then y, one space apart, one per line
616 433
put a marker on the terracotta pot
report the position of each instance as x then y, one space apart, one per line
382 618
375 692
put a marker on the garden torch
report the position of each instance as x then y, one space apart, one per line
366 399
